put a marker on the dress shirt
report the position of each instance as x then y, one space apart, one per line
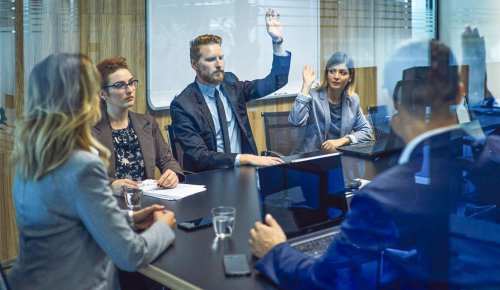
232 127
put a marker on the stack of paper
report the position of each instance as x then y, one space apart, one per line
182 190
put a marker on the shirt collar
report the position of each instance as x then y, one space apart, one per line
207 90
405 155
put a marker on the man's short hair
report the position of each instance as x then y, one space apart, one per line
194 45
109 66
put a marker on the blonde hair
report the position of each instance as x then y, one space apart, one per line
336 59
60 107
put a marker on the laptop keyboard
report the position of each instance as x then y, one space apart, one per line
316 247
363 148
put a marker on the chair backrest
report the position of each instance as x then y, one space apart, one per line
3 279
175 146
281 136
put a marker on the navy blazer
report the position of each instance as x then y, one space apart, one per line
194 127
409 226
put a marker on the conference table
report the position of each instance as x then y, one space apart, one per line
194 261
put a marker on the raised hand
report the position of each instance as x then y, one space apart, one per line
308 78
473 46
273 25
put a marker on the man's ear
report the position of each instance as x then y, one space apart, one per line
460 93
194 64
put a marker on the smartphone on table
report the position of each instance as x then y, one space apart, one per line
236 265
195 224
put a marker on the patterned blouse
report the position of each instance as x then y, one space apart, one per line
128 157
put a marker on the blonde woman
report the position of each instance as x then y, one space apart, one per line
71 230
331 114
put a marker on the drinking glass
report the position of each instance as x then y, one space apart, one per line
133 197
223 221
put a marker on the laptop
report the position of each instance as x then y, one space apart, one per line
308 200
385 140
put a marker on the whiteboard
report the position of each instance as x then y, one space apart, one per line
172 24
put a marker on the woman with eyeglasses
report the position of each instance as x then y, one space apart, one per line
331 114
135 140
72 233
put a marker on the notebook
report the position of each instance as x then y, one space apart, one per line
307 198
385 141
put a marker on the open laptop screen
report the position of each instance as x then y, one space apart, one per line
303 196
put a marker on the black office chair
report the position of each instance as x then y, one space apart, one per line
4 285
281 137
175 147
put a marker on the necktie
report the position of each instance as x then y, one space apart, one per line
223 121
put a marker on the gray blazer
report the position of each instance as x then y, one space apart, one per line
71 230
313 113
154 149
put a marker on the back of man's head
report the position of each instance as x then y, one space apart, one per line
422 77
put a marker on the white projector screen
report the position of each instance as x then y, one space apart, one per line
172 24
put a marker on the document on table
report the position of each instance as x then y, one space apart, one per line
180 191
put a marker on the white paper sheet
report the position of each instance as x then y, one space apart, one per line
182 190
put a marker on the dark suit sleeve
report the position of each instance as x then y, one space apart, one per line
350 261
275 80
193 145
164 158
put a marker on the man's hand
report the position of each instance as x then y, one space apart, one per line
168 179
254 160
144 217
273 25
118 185
334 143
473 46
264 237
308 78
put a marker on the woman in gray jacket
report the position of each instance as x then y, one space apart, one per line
71 231
330 114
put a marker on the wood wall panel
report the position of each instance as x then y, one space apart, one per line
8 229
116 28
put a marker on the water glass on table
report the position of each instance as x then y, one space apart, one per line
223 221
133 197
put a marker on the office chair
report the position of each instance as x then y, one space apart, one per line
4 285
175 147
281 137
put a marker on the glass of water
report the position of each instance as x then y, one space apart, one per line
133 197
223 220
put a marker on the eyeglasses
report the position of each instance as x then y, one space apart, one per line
123 85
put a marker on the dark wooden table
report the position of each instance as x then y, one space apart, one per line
194 260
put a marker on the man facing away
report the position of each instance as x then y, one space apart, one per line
209 116
427 223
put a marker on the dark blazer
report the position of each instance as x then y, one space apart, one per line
154 149
429 232
194 127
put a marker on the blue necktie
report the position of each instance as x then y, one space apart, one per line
223 121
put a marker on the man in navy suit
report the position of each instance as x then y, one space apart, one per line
209 116
429 222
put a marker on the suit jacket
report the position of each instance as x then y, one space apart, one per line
407 228
72 232
154 149
194 127
313 113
